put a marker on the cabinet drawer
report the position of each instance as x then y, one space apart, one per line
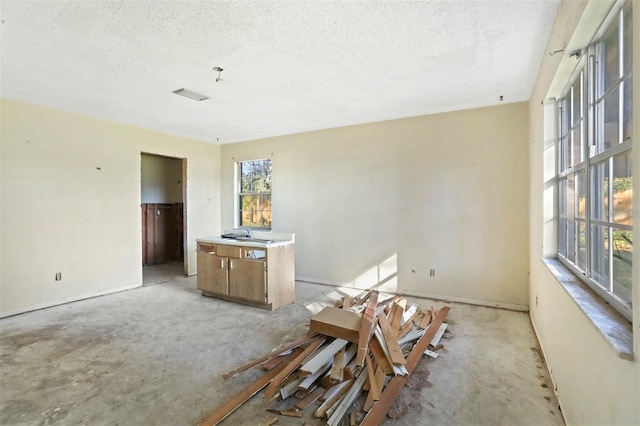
206 248
229 251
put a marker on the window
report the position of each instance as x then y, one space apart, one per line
254 194
595 183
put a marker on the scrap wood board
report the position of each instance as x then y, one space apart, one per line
308 382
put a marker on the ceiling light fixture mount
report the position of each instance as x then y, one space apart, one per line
218 70
189 94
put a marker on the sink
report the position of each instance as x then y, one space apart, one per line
238 237
256 240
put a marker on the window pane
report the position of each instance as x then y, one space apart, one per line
581 188
600 191
255 210
570 195
627 110
576 146
245 169
622 189
576 101
607 121
564 117
627 38
609 57
562 196
564 154
562 237
571 241
582 246
600 255
245 185
622 262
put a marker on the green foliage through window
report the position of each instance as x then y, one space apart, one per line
255 194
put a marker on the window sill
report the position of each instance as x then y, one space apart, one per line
615 328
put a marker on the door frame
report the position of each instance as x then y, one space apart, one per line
185 240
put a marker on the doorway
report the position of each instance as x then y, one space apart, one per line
163 213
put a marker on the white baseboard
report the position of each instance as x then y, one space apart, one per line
478 302
57 302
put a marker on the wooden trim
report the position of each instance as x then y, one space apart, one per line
272 389
391 340
379 356
365 328
231 405
376 415
270 355
320 359
310 399
332 396
337 367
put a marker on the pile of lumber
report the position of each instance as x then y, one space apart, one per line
351 365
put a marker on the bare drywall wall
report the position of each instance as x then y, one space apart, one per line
71 203
161 179
435 205
593 384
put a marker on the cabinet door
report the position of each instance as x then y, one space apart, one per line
212 273
248 279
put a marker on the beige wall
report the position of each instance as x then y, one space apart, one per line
161 179
71 203
446 192
593 384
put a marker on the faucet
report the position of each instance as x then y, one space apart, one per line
248 232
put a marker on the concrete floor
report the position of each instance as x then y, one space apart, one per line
155 356
161 273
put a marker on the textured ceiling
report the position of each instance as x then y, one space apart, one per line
288 66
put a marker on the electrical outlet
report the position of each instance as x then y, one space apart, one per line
536 300
58 276
432 272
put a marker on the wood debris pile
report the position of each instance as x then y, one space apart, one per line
351 365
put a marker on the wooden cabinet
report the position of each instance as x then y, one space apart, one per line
258 276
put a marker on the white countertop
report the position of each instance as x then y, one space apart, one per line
276 239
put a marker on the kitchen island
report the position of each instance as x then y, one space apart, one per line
257 270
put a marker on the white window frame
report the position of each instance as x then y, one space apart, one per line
589 72
239 193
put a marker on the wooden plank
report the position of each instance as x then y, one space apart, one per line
426 320
397 310
378 355
408 325
320 359
271 363
379 378
374 390
337 323
292 413
347 302
270 355
236 401
391 340
345 403
331 396
365 328
310 399
376 415
337 368
272 389
270 422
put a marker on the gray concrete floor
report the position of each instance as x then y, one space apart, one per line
155 356
153 274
